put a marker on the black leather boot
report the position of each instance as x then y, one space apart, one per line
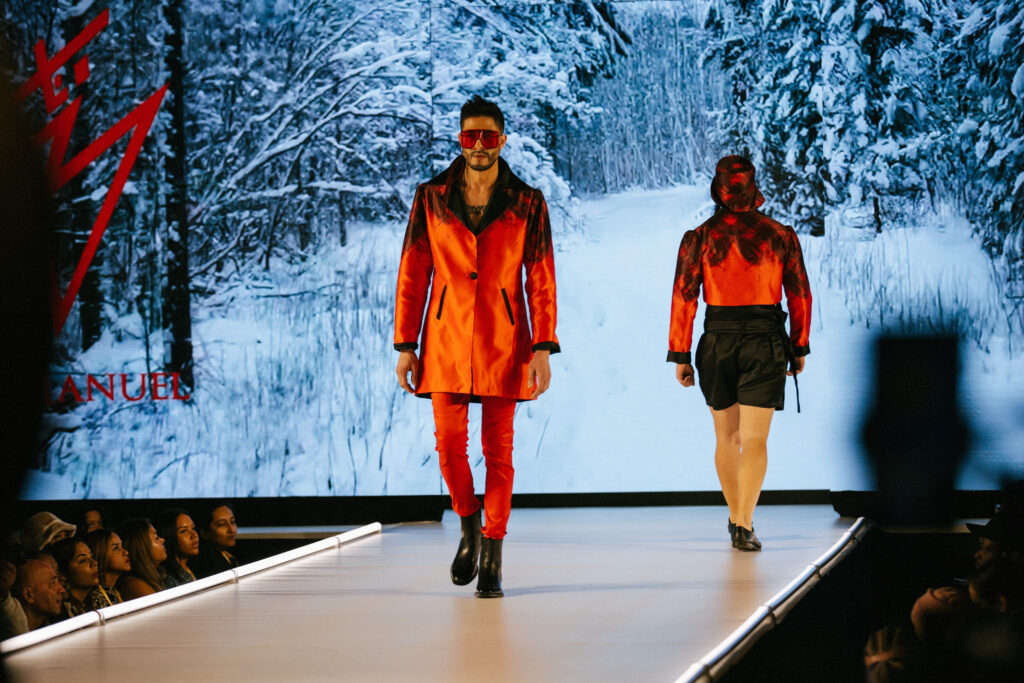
464 566
489 584
745 539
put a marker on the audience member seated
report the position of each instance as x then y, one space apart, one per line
147 553
12 616
79 572
44 529
92 519
40 592
996 586
113 561
176 526
933 610
219 531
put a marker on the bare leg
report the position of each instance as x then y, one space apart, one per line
727 456
754 423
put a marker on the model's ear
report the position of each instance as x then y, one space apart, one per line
28 595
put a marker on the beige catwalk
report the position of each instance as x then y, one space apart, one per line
599 594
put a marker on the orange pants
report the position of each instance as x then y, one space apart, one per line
451 427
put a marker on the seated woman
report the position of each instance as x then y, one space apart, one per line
219 531
175 525
79 572
113 561
92 519
147 553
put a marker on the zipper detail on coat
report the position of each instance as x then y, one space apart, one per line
508 306
440 306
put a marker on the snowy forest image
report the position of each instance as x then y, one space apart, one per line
232 333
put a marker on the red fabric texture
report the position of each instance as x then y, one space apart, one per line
451 424
476 337
741 258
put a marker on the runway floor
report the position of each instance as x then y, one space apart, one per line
595 594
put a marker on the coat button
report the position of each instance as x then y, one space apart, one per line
472 276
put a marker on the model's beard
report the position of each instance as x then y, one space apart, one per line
477 166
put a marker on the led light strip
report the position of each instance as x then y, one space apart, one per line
100 617
765 617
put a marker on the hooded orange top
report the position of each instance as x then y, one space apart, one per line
476 338
742 258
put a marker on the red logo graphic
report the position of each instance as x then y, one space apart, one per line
58 133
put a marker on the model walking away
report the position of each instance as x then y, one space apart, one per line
744 260
475 229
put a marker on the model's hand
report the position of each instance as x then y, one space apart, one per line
797 366
407 362
684 374
540 372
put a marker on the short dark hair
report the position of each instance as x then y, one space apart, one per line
478 106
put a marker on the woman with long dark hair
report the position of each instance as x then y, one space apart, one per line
147 552
219 531
176 527
78 571
743 260
113 561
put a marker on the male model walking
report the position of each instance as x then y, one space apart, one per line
474 230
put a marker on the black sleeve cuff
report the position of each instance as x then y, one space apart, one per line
679 357
801 350
553 347
406 346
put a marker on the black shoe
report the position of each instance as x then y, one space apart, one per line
744 539
732 528
465 564
489 584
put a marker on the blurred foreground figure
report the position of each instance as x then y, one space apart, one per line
915 436
744 260
473 231
25 225
25 230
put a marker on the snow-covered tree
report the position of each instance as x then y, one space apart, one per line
992 82
788 112
877 76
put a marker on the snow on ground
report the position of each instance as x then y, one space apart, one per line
297 393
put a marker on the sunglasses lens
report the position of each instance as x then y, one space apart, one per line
489 138
468 138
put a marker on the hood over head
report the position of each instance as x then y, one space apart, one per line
733 186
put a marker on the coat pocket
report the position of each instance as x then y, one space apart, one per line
440 305
508 306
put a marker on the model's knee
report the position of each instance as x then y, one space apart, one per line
753 442
451 447
729 439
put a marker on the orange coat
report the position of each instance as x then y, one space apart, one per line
476 337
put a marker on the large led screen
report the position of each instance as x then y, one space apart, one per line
232 182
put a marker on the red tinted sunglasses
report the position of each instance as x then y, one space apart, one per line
468 138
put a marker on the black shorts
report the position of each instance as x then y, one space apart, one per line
742 367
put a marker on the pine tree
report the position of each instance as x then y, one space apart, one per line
993 101
788 110
876 119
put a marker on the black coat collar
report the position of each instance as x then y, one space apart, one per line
504 194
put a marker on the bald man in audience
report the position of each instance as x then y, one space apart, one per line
40 592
